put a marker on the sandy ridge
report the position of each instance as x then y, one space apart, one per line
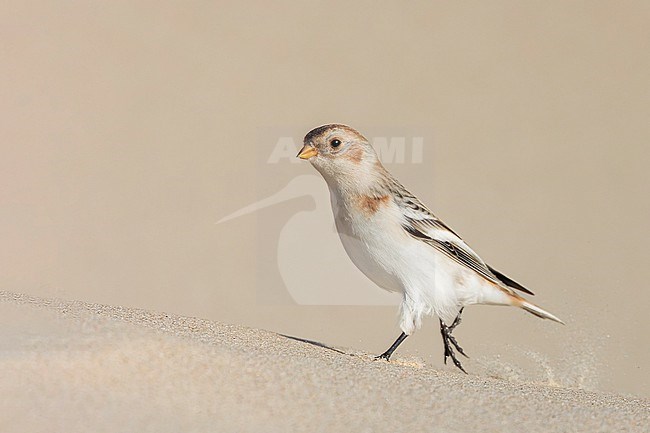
171 373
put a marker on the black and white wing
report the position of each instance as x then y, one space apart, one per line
423 225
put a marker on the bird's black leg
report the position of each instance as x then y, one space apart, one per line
450 341
386 355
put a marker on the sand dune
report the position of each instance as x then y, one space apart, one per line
73 366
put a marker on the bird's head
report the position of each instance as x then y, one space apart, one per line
341 154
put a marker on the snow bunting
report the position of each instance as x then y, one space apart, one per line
402 246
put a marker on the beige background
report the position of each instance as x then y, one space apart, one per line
129 128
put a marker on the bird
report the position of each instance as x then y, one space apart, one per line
400 245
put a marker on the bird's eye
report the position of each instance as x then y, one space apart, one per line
335 142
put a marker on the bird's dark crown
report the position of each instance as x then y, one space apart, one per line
325 129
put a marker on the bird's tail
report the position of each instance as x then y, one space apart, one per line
534 309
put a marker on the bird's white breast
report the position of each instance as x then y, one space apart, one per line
375 241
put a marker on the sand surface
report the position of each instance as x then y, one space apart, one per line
77 367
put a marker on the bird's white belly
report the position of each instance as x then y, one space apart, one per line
366 247
369 261
379 247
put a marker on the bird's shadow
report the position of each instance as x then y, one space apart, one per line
317 344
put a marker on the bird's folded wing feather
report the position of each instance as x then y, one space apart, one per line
448 243
423 225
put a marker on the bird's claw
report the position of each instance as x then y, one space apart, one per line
449 341
385 356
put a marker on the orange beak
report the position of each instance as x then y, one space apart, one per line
307 152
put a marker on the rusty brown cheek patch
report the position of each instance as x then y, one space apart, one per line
370 205
355 155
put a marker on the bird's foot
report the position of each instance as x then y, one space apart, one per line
386 355
456 321
450 343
